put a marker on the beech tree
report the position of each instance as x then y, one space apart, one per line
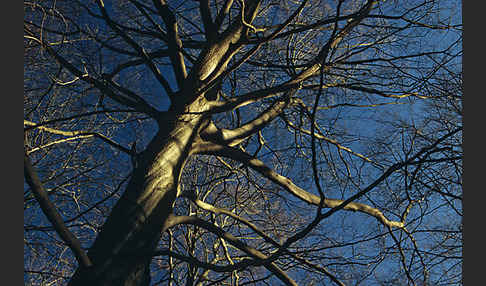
248 142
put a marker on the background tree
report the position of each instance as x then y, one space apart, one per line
242 142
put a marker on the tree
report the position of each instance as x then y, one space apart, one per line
242 142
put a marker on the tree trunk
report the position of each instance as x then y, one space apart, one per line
135 225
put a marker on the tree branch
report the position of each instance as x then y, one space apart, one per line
256 254
287 184
141 51
49 209
174 42
235 136
210 83
209 27
136 62
222 13
319 135
137 103
250 97
216 210
76 135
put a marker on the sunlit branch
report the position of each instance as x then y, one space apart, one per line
222 13
74 135
220 75
208 207
235 136
33 125
296 81
244 22
254 253
77 137
287 184
216 210
251 97
214 58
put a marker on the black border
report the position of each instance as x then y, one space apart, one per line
473 146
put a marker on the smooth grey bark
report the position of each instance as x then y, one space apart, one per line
137 220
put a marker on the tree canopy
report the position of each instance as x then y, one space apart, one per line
247 142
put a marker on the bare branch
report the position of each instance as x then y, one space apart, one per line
50 210
321 136
139 104
174 43
209 27
287 184
74 136
257 255
232 137
222 13
216 210
141 51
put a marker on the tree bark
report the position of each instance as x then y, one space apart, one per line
137 220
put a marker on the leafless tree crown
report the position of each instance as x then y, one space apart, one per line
242 142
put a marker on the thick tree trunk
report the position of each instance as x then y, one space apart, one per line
137 220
